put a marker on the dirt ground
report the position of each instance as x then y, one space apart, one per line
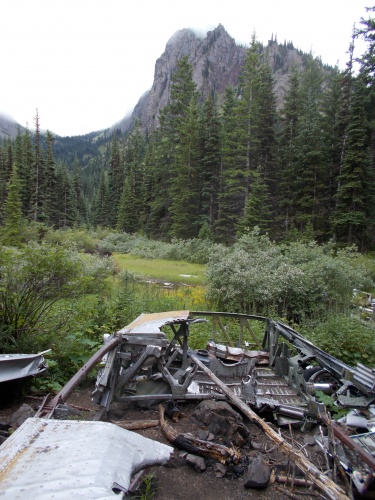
182 482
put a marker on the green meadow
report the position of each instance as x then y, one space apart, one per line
172 271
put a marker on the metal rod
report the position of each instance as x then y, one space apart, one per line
47 410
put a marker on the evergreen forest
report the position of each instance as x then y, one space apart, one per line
213 171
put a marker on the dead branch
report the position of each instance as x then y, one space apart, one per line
189 443
132 425
326 485
296 482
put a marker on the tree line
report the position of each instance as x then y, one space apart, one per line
215 170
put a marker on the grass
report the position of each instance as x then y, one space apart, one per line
172 271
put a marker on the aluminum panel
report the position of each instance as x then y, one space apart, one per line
17 366
62 459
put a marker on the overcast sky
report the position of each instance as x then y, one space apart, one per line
85 63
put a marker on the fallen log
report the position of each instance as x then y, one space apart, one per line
326 485
196 446
132 425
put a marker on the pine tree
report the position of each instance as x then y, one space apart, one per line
256 126
12 234
185 190
49 187
310 176
127 219
287 165
79 199
37 201
66 214
134 153
115 180
350 218
211 163
101 208
167 147
231 185
25 170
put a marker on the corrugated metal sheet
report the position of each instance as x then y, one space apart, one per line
366 377
61 459
366 441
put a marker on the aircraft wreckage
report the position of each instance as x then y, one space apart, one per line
146 364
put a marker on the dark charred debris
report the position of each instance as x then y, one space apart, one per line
285 387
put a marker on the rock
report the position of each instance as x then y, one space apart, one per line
177 461
257 475
222 420
220 470
23 413
202 434
197 463
238 469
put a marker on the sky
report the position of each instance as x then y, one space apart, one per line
83 64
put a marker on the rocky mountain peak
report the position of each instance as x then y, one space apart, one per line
216 61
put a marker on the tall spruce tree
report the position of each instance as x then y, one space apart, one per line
185 189
115 180
12 234
287 165
81 208
350 218
310 175
49 185
231 184
37 179
172 119
211 163
256 132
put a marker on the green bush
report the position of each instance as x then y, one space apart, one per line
41 282
194 250
346 337
293 281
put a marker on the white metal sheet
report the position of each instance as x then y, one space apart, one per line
17 366
61 459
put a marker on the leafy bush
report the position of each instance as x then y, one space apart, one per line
346 337
293 281
40 281
193 250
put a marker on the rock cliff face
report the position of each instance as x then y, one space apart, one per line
216 60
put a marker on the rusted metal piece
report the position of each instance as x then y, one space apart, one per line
344 438
330 489
236 353
187 442
47 410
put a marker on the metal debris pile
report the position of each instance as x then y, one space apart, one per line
280 378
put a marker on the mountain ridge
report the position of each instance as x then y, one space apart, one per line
216 60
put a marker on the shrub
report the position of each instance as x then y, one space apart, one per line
346 337
37 281
293 281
